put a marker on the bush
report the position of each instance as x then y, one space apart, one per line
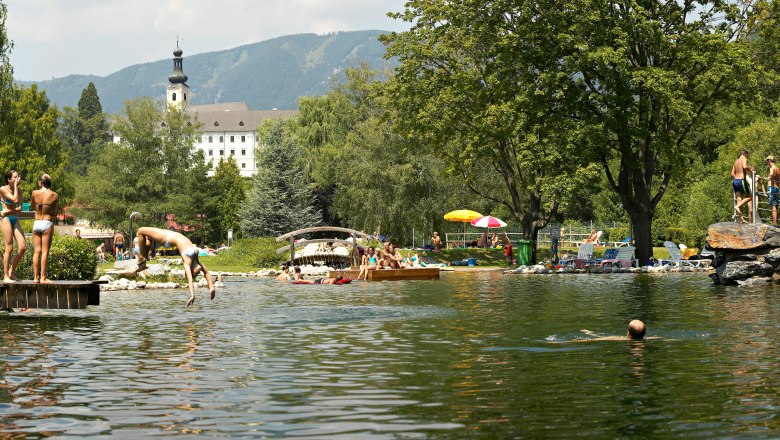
69 259
615 234
683 235
252 252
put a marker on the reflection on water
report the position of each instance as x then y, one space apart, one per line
480 355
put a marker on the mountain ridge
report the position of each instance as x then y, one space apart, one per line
268 74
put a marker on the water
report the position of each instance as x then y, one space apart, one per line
479 355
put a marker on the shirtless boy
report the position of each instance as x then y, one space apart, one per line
187 250
740 184
771 187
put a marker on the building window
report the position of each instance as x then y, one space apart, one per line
211 152
221 139
211 139
243 152
243 165
232 152
221 152
232 138
173 96
243 138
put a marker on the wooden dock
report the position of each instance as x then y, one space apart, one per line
417 273
64 294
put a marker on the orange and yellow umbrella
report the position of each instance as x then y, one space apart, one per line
462 215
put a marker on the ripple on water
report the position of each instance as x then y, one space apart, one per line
480 355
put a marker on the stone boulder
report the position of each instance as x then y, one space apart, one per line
742 237
734 271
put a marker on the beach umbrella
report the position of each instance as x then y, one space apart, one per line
464 216
488 222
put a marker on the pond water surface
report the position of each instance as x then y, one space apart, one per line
473 355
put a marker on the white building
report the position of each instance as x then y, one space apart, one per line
229 129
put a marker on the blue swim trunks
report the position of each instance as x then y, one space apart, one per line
741 186
773 194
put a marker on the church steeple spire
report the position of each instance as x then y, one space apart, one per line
177 87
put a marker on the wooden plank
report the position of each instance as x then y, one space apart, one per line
421 273
65 294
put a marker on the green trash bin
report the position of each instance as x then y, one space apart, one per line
523 254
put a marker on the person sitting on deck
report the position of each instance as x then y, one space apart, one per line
187 250
44 201
368 262
494 241
394 258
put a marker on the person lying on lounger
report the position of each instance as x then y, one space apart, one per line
187 250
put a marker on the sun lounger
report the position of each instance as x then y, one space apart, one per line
676 259
584 256
595 243
626 241
624 258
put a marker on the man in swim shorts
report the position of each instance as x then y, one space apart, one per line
119 245
187 250
771 187
740 185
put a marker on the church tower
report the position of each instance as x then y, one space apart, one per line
177 83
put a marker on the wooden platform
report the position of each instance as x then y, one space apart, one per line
417 273
58 295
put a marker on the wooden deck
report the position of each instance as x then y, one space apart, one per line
64 294
417 273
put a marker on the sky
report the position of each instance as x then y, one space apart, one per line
55 38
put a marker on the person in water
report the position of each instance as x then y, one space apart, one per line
187 250
285 275
321 280
636 332
44 202
741 186
11 200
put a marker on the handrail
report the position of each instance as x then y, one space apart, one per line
321 229
322 240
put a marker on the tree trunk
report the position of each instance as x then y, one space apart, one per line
641 223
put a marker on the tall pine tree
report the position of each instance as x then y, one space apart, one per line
281 198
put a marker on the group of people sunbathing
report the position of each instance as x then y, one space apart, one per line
386 258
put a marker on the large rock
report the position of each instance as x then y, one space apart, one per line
733 271
742 237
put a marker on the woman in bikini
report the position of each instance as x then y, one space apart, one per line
369 262
44 201
187 250
11 200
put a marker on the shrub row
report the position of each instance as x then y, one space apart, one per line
69 259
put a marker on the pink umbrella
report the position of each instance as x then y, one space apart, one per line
488 222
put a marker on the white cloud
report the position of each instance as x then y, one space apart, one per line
54 38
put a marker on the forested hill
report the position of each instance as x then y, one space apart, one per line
265 75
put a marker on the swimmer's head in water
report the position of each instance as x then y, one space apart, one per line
636 329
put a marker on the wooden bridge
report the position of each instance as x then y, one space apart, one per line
351 258
64 294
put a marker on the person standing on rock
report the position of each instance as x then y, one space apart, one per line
771 187
740 185
187 250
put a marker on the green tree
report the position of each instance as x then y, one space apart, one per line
33 147
6 70
227 195
280 199
144 172
375 177
639 78
461 90
89 103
